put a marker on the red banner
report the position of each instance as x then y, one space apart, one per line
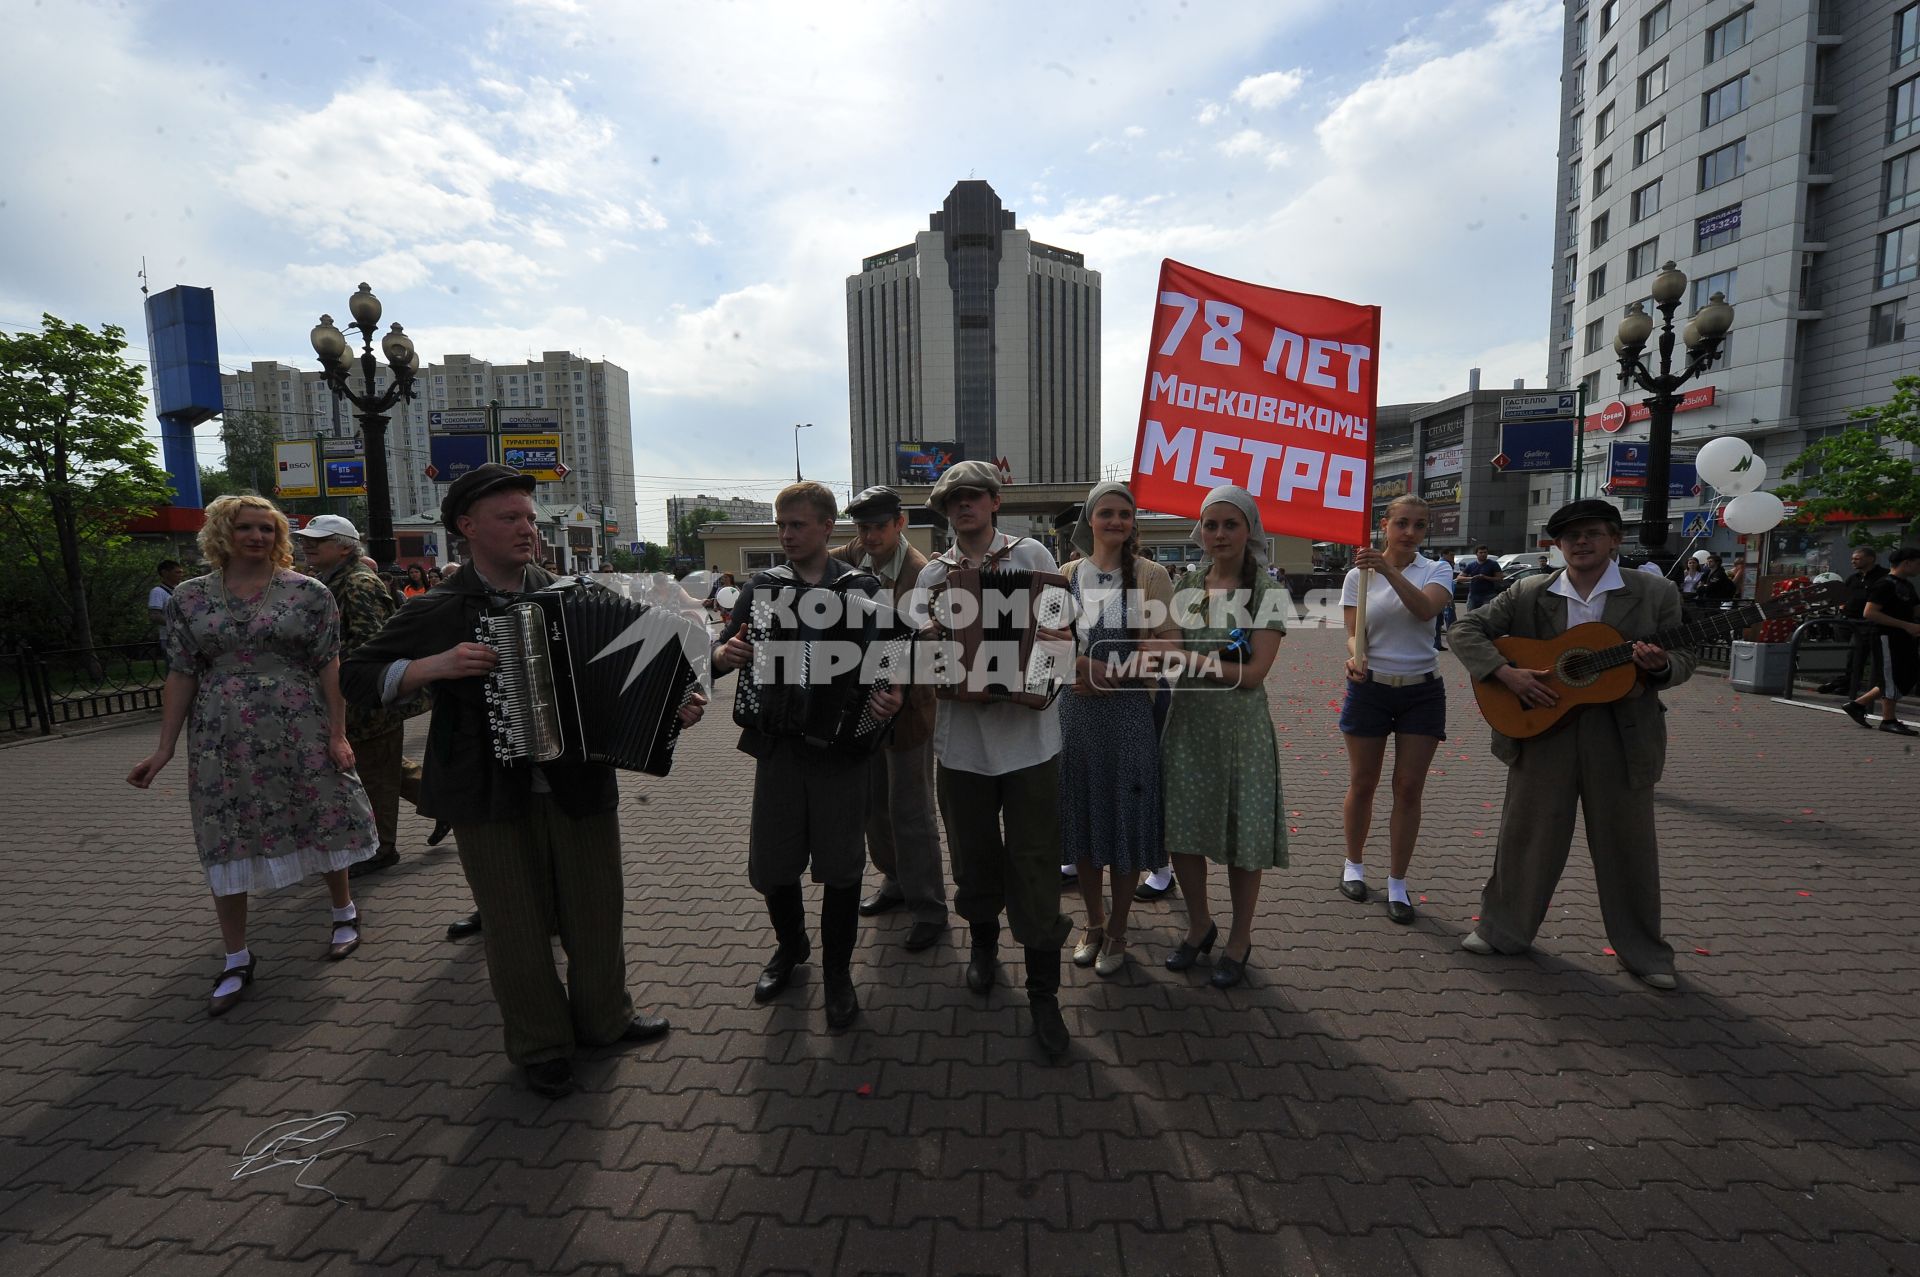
1618 415
1271 390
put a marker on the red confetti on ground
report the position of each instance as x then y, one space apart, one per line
1333 704
1423 900
1293 829
1476 917
864 1090
1806 811
1786 820
1704 953
1803 893
1609 952
1479 833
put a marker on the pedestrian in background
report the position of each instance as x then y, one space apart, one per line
1893 605
169 571
1484 578
253 673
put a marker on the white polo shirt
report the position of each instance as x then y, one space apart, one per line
1398 644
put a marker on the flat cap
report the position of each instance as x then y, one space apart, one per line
963 474
481 481
875 503
1585 508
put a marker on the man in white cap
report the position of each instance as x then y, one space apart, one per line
998 759
378 735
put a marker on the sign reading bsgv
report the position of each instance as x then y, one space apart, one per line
1271 390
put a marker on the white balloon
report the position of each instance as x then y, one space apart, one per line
1722 460
1742 482
1753 512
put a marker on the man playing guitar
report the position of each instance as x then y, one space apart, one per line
1604 757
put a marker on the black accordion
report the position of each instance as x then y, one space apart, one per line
989 620
586 676
820 655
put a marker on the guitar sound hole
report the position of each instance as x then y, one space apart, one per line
1576 669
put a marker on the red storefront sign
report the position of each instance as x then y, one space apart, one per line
1698 397
1271 390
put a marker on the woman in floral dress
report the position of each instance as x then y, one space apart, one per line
254 675
1219 763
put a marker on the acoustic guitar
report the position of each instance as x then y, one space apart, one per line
1593 664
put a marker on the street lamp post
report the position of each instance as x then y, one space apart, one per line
337 362
1703 336
797 428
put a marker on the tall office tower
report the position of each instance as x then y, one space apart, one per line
975 339
1772 150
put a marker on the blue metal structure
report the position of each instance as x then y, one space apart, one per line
186 379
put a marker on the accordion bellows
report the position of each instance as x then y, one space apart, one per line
587 676
820 653
989 619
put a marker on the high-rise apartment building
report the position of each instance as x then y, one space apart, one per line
736 509
1772 150
596 425
976 337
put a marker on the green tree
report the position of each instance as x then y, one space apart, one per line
652 558
1854 472
686 533
249 438
74 465
623 561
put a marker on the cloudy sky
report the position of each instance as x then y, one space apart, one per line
683 188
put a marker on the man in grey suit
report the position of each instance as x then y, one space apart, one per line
1605 758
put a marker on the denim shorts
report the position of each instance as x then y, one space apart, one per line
1375 709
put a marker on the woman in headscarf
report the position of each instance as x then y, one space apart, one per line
1219 765
1110 753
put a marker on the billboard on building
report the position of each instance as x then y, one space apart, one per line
924 462
534 454
346 476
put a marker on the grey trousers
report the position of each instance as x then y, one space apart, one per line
1015 868
542 872
1581 762
809 811
903 837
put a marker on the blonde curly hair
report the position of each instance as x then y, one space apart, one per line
216 534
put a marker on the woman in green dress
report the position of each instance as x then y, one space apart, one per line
1220 767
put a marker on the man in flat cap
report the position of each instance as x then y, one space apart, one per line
997 762
540 844
903 840
1603 758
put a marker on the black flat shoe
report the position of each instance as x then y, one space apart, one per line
467 926
778 973
1857 713
551 1078
1228 972
1185 956
1897 727
880 902
923 936
1146 891
386 859
644 1028
843 1005
440 830
1397 912
980 970
218 1005
1354 889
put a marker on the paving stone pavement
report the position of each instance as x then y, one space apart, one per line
1373 1101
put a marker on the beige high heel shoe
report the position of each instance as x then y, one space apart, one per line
1113 957
1089 947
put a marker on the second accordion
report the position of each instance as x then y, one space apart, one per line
988 620
588 676
821 652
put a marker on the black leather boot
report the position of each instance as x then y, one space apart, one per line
788 913
1043 999
839 928
986 953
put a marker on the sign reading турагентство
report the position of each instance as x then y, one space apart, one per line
1271 390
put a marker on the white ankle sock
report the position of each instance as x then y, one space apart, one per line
230 983
1160 879
1355 871
347 912
341 917
1397 890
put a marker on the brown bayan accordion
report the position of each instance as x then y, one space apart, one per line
988 620
588 676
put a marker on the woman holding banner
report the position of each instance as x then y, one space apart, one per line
1219 764
1393 689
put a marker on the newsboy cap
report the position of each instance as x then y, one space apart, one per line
1585 508
874 504
964 474
481 481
